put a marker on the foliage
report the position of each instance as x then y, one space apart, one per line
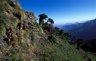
15 56
50 20
14 22
2 1
63 51
2 29
3 21
41 18
11 3
1 8
52 39
17 14
7 7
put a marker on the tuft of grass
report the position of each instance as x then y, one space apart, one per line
15 55
2 29
15 22
3 22
19 13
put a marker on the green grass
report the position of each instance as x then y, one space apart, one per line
2 1
62 51
3 22
2 30
14 22
15 56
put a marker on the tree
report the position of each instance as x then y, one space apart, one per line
41 19
50 20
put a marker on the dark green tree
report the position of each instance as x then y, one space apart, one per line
51 21
42 17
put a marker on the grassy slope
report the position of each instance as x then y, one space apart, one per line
63 51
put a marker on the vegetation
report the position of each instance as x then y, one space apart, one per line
14 22
24 40
41 19
50 20
17 14
3 21
15 56
2 1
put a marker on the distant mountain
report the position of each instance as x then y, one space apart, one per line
69 27
85 31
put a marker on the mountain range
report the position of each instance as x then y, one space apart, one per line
85 31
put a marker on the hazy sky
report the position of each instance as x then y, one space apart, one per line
62 11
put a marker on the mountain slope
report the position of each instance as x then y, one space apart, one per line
85 31
22 39
69 27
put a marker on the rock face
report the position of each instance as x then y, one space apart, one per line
22 39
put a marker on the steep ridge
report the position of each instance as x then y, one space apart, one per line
22 39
